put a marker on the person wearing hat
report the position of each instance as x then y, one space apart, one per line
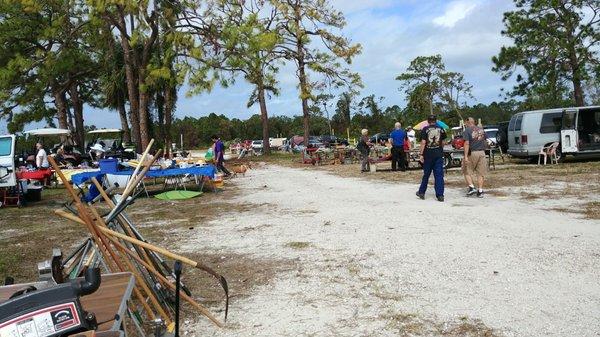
432 157
97 152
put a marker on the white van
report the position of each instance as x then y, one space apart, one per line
576 129
8 172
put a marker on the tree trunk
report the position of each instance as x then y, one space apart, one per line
160 114
264 118
143 110
169 106
132 87
576 74
574 61
300 57
124 124
60 101
78 114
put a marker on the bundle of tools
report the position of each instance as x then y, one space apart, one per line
116 245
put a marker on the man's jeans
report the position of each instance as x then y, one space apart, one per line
398 158
437 166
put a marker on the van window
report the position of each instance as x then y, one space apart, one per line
5 146
551 122
568 120
511 123
518 123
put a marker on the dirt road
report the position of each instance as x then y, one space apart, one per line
370 259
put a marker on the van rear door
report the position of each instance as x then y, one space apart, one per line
7 161
568 133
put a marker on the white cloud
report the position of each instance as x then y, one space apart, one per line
455 11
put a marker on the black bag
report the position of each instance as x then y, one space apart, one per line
361 146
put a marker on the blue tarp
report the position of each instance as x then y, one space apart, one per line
206 170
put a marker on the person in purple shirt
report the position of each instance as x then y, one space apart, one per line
219 151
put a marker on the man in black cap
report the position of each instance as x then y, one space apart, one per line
432 157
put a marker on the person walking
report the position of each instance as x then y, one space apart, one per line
474 162
398 138
219 152
432 157
363 147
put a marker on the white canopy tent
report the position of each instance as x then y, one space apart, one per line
48 132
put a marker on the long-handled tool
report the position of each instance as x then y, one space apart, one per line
114 263
177 269
113 236
129 228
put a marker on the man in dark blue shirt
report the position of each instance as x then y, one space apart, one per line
398 137
432 157
219 151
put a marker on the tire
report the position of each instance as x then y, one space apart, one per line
447 161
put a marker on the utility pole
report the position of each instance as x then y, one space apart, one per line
328 120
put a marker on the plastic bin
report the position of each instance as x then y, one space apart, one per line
34 193
110 165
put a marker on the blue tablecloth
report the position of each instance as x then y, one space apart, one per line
205 170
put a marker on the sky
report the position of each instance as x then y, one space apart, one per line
392 33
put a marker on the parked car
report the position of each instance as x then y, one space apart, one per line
314 141
577 130
257 145
491 135
330 140
379 137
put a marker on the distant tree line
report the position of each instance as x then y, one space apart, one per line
371 114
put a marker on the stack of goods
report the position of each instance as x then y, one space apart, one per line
116 245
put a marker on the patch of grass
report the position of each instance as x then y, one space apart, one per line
298 244
408 324
530 196
592 210
28 234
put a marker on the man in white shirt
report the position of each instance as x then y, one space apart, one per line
410 133
41 158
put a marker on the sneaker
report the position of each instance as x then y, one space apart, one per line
440 198
471 191
421 195
479 194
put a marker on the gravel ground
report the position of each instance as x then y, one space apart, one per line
373 260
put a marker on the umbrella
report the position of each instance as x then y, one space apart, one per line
425 123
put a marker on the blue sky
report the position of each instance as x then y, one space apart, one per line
392 32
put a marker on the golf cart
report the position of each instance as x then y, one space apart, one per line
111 142
70 155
